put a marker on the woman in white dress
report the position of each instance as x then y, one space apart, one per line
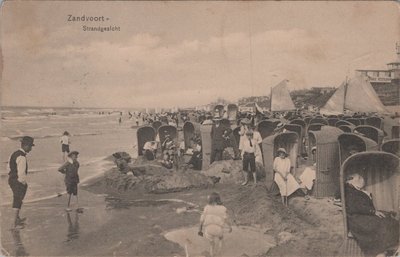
283 178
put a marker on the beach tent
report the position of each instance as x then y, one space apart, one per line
219 111
343 122
232 112
299 130
190 129
170 130
371 132
300 122
356 95
206 144
348 140
374 121
381 173
319 120
355 121
270 145
396 131
281 99
307 119
315 127
392 146
347 128
327 160
156 124
267 127
332 121
144 134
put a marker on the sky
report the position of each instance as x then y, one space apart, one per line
186 53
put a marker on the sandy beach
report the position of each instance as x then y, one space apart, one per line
133 222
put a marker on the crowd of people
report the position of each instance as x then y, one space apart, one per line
374 230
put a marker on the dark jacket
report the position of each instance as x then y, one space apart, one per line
358 202
217 133
71 172
13 173
373 234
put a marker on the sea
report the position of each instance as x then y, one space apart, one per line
95 133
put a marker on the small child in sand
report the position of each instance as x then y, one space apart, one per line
70 169
214 219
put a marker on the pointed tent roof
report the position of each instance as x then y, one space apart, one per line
335 104
280 98
361 97
356 95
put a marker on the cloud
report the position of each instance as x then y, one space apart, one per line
145 70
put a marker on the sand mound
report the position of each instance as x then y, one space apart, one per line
156 179
229 171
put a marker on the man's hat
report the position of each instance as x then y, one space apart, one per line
279 126
245 121
217 116
26 140
282 150
73 153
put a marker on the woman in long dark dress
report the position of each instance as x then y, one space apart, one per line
375 231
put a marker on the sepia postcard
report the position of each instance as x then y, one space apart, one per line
200 128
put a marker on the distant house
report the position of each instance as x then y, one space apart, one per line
386 82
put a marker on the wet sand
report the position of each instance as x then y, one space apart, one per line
134 224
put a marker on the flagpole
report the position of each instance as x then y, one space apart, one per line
345 93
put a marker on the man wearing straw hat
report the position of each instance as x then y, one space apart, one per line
18 170
249 150
283 178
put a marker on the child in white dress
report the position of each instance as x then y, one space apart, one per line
214 219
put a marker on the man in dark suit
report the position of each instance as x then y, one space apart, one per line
18 170
218 140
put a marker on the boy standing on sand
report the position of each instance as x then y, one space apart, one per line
249 149
70 169
65 142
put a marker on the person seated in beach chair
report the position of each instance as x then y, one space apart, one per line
351 149
375 231
166 144
169 149
307 178
196 159
150 150
283 178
